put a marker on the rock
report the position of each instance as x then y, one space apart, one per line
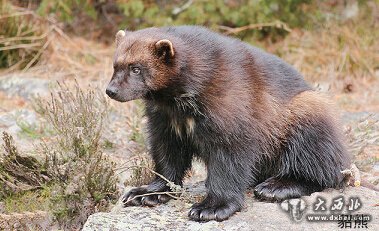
322 86
255 216
14 122
2 207
11 121
38 220
351 10
356 117
26 87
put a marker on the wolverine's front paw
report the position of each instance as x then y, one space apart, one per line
203 212
142 196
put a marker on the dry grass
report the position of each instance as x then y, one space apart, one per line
341 54
28 39
76 57
334 52
23 39
139 166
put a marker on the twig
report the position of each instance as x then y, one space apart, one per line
60 32
38 54
20 46
179 10
155 193
356 175
16 14
106 15
353 174
152 171
124 165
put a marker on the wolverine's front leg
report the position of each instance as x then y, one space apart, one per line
226 183
172 157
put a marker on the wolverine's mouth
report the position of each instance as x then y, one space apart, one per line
113 94
125 96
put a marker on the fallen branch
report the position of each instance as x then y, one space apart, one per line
259 26
179 10
353 177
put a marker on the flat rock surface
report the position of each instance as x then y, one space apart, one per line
255 216
24 86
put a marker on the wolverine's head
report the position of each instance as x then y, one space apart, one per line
144 62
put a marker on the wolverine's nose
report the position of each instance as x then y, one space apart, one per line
111 92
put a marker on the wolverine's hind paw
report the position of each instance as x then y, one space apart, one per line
276 190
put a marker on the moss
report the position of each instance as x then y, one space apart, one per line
29 201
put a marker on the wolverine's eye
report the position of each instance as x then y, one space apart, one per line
136 70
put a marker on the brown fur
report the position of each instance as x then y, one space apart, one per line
247 114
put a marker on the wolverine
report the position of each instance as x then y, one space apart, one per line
250 116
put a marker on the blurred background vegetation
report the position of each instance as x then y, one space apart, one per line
333 43
25 25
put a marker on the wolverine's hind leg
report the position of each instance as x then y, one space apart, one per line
312 157
279 189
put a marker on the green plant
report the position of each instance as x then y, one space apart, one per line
107 144
221 14
19 173
67 10
32 131
135 123
29 201
217 14
84 178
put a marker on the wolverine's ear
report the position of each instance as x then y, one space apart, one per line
119 36
164 48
